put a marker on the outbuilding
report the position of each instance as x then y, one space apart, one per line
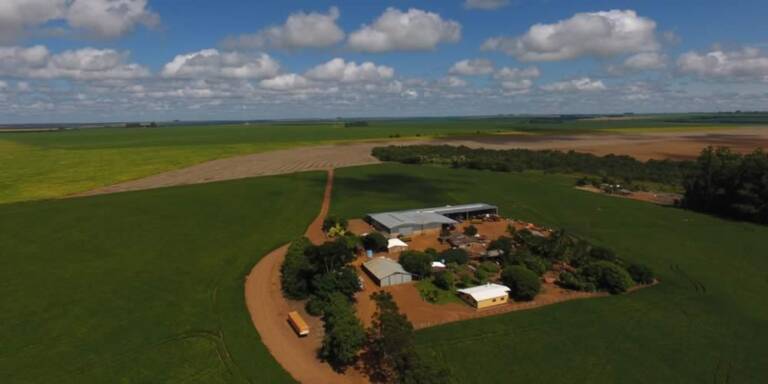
386 272
396 245
484 296
428 219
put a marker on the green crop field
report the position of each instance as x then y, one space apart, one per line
707 322
144 286
43 165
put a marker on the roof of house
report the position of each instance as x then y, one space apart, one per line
382 267
391 243
426 216
485 292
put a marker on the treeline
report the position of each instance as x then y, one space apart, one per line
621 167
729 184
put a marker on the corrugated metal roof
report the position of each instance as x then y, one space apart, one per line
381 267
426 216
418 218
485 292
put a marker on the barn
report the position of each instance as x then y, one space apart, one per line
427 219
386 272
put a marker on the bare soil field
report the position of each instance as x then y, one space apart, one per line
643 146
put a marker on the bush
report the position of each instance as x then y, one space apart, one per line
503 243
640 274
602 253
458 256
471 230
536 264
444 280
465 280
315 306
523 283
489 266
481 276
418 263
607 276
570 281
375 241
333 221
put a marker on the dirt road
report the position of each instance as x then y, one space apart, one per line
269 311
658 145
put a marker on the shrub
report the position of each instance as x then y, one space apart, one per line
333 221
315 306
607 276
458 256
523 283
418 263
602 253
536 264
465 280
481 276
640 273
489 266
471 230
375 241
444 280
503 243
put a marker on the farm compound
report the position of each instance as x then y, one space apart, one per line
386 272
427 219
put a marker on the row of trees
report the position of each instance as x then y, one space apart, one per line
625 168
589 267
729 184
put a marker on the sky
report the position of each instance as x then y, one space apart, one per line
159 60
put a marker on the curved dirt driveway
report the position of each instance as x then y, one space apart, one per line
269 311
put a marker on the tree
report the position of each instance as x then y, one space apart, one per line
503 244
334 221
418 263
606 276
640 273
535 263
330 255
444 279
391 347
524 285
375 241
457 255
296 271
471 230
344 334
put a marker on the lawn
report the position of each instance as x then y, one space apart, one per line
144 286
706 322
443 296
53 164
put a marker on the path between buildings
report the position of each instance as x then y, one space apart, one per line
269 312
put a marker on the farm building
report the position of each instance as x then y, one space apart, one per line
484 296
427 219
386 272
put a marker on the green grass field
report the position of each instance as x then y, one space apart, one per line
53 164
707 322
144 286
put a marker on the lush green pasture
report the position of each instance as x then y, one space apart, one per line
707 322
144 286
53 164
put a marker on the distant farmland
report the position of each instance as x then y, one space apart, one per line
53 164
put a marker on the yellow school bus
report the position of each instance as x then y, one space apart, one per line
298 324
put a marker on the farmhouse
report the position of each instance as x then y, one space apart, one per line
427 219
484 296
386 272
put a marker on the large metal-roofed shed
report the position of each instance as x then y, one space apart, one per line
386 272
426 219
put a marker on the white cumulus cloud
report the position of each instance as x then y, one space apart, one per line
286 82
98 18
414 30
211 63
300 30
349 71
485 4
745 63
584 84
81 64
516 79
472 67
600 34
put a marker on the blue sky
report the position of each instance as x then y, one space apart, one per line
113 60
